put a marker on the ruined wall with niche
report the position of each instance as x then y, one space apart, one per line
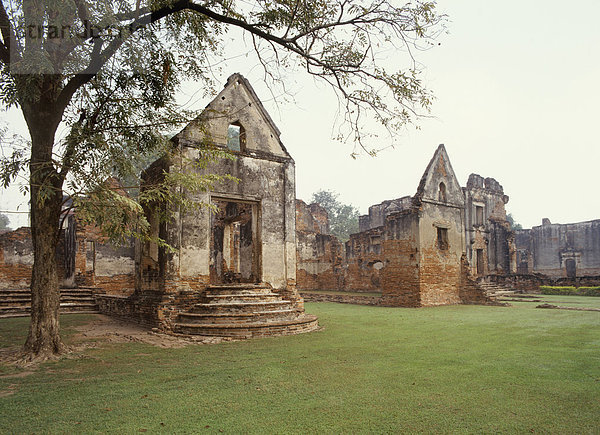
364 260
560 250
319 255
16 259
378 212
102 264
441 232
489 238
324 263
84 258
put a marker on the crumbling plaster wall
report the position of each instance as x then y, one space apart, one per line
16 258
364 260
265 176
378 212
546 248
440 269
490 231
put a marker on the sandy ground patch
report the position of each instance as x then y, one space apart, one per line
118 331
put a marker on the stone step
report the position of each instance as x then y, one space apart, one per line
243 307
77 307
76 293
302 323
22 311
230 318
15 292
9 299
239 290
239 286
77 299
236 298
15 308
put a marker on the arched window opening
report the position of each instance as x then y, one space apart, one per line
236 137
442 192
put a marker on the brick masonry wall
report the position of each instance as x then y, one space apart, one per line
439 278
116 285
400 276
470 292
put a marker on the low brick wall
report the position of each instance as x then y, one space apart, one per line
115 306
342 299
149 308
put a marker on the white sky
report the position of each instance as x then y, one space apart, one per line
517 88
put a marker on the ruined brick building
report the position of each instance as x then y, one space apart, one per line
231 272
236 271
412 249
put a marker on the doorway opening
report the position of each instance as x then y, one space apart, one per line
235 253
571 268
479 253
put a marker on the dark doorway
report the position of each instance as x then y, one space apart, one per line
571 268
234 243
479 253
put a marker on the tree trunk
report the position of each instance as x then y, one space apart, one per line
44 333
46 199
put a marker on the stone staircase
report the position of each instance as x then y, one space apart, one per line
17 302
243 311
495 290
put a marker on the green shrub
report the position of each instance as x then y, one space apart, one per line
570 290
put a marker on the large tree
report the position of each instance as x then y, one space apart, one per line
343 218
107 70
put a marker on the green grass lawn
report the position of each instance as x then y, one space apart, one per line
384 370
343 293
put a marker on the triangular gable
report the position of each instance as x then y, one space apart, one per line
439 176
237 103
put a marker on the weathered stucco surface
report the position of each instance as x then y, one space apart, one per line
549 248
250 235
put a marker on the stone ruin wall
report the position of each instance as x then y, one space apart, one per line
401 276
16 258
488 230
547 248
324 263
97 263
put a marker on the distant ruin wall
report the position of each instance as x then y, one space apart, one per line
560 250
16 258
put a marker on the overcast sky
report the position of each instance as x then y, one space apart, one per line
517 91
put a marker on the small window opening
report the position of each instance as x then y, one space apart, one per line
478 215
442 238
442 193
236 137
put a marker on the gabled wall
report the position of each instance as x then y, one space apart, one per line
263 189
441 208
